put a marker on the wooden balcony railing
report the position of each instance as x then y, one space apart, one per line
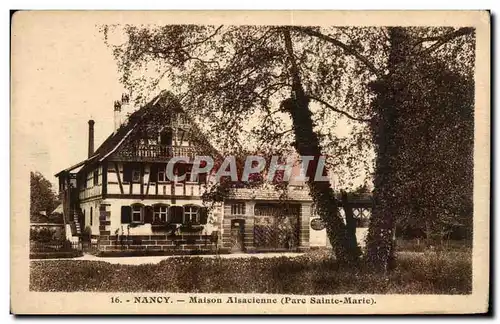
154 151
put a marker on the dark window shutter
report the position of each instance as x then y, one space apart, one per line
126 214
177 214
203 215
153 176
127 173
148 214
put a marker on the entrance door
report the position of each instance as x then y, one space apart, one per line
237 229
276 227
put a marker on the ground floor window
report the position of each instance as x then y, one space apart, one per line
191 215
238 208
160 213
136 214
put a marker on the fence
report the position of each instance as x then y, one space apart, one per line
62 246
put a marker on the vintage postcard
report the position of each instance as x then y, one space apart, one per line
250 162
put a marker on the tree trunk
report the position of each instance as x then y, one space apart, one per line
307 144
349 220
380 240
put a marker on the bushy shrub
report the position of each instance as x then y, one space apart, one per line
67 246
87 234
55 255
44 234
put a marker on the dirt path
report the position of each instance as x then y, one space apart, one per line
157 259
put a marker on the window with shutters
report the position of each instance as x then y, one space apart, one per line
137 212
160 214
238 208
191 215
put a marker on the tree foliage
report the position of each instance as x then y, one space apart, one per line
274 87
42 196
423 133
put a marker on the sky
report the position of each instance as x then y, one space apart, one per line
67 77
63 75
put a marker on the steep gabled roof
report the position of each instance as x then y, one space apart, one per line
117 138
114 141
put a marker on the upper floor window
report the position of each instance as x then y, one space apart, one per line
166 137
96 177
131 173
159 172
136 176
238 208
188 169
162 175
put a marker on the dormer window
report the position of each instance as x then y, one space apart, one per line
166 137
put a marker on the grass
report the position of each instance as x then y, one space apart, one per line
313 273
422 245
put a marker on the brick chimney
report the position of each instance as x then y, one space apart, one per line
91 137
126 109
118 115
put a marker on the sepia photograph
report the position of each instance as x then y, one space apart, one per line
250 162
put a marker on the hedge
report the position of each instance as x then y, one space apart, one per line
139 253
55 255
312 273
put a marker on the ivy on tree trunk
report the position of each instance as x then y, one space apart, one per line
307 144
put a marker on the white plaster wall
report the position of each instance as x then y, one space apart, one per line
320 239
85 206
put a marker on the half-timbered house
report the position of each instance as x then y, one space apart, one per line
122 195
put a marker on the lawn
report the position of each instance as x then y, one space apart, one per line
447 272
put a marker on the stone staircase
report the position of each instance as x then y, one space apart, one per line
76 222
